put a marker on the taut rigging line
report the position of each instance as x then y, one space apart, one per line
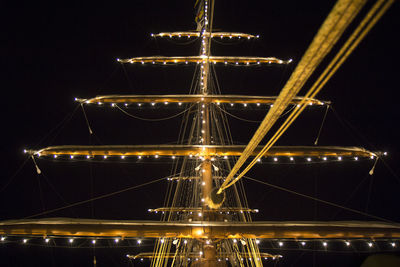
352 42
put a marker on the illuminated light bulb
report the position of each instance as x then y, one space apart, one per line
290 60
325 244
303 243
257 241
258 62
355 158
25 151
170 36
237 63
280 244
393 244
164 62
218 103
245 104
180 103
248 37
190 155
55 156
230 37
202 200
118 59
152 35
116 240
256 210
25 240
47 240
179 36
308 159
232 104
203 183
275 159
234 241
372 157
259 160
162 240
247 63
347 243
88 157
339 158
156 156
272 105
72 156
185 241
113 104
257 36
370 244
126 104
258 104
153 103
142 62
298 105
226 62
324 158
173 157
225 157
291 158
200 214
166 103
139 157
105 156
3 238
93 242
122 157
139 104
71 240
204 121
139 241
385 153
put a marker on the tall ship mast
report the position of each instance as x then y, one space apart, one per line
206 219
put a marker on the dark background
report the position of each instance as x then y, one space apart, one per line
51 54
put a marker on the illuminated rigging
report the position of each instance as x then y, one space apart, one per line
206 211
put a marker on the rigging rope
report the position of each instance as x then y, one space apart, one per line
236 117
246 120
331 69
146 119
95 198
322 125
319 200
86 119
333 27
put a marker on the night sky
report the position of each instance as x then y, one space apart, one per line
54 53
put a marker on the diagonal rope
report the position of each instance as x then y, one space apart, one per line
371 19
319 200
322 125
329 33
95 198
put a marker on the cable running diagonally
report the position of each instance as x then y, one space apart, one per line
339 59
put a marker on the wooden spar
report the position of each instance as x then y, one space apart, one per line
216 99
201 229
201 150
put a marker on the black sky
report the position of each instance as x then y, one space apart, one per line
54 53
